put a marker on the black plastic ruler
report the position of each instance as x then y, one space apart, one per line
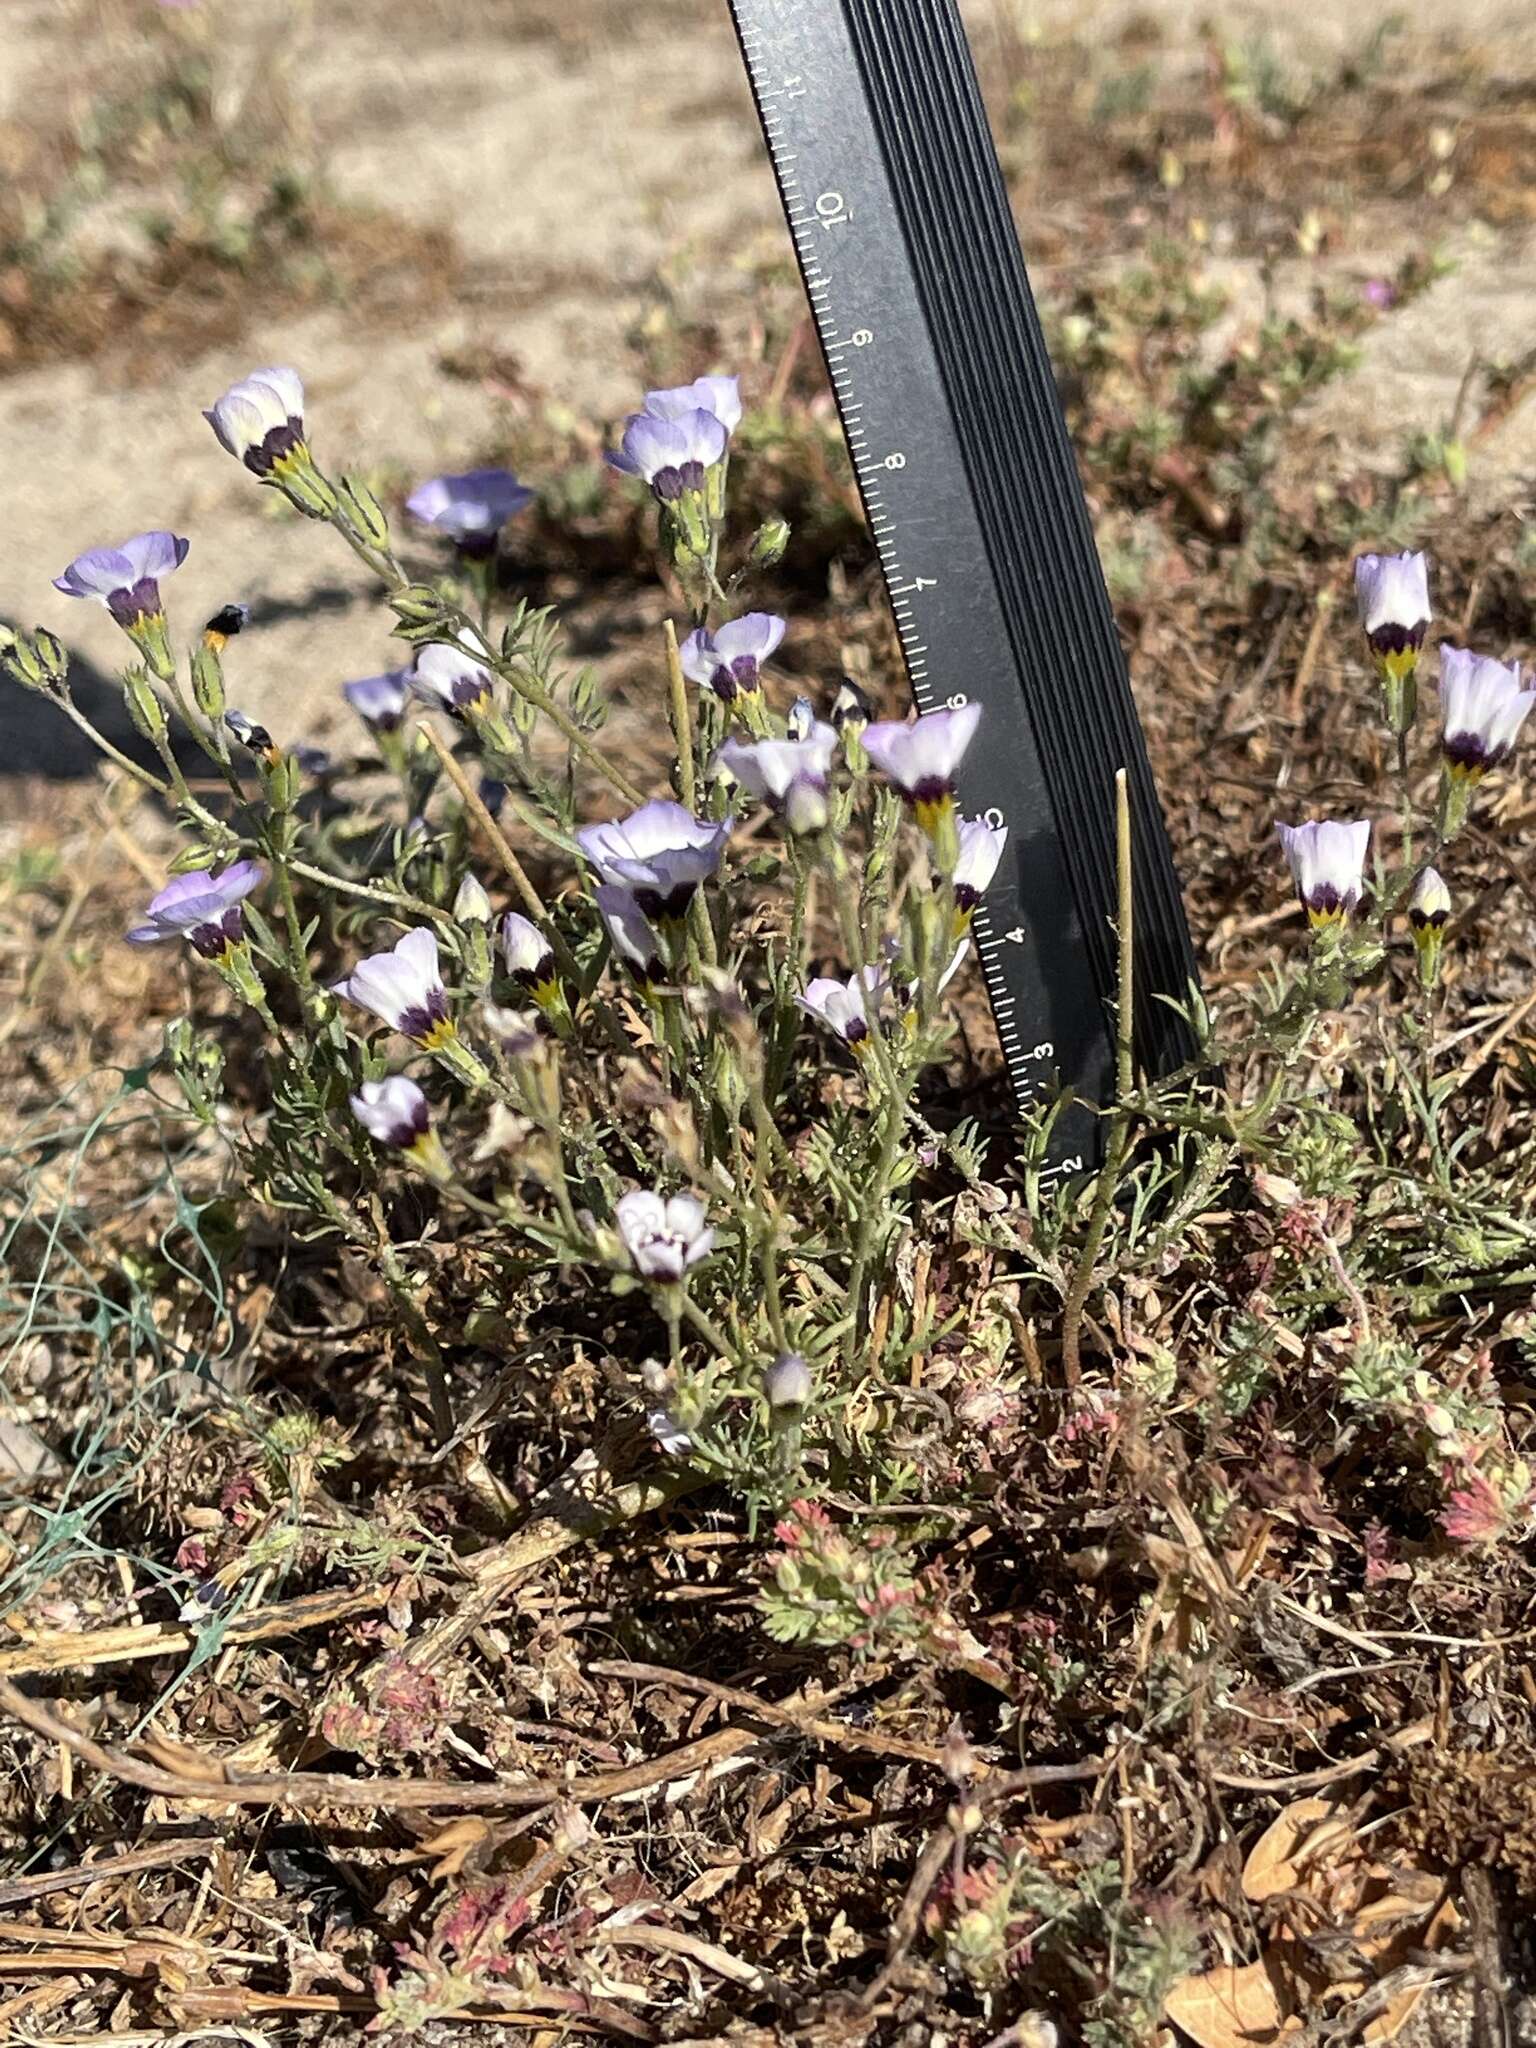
906 243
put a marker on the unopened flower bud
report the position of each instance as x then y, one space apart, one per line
21 659
144 707
208 682
787 1384
53 657
197 1065
417 605
363 513
1277 1189
769 542
471 905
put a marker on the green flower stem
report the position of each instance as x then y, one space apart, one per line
701 931
897 1088
871 1213
279 846
682 723
532 691
771 1150
373 892
708 1331
849 915
878 865
795 951
540 1099
209 737
380 560
530 898
105 746
383 564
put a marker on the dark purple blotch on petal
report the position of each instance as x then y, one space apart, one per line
413 1125
1328 901
278 443
139 600
213 941
666 905
1470 752
1394 639
423 1019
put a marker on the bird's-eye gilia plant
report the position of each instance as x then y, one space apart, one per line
430 1011
607 1063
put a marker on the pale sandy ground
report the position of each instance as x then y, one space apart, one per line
571 167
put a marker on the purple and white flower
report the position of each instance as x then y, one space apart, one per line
529 956
1327 863
1392 595
260 421
1430 903
661 852
800 719
920 758
1429 912
126 579
380 701
630 933
789 775
718 395
851 708
404 989
203 908
674 456
848 1009
663 1237
981 848
516 1032
730 660
470 509
450 678
1482 708
394 1111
